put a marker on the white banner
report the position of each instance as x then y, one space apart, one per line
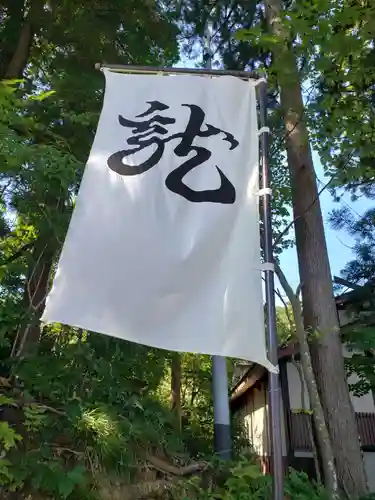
163 248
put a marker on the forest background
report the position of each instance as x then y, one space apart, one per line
83 416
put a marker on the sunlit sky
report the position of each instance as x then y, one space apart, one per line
339 243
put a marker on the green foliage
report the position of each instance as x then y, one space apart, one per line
341 61
361 269
360 341
47 124
244 481
85 405
51 477
285 324
299 487
8 437
90 406
34 417
8 440
197 403
5 400
359 334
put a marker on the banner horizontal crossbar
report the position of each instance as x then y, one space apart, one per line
246 75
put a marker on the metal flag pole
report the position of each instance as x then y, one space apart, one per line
155 70
274 394
222 427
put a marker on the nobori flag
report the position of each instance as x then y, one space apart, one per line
163 247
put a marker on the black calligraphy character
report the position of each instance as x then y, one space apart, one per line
142 140
144 136
226 193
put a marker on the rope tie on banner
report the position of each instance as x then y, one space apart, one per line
264 191
259 81
268 266
275 390
264 130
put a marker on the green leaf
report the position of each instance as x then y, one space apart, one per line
43 95
66 487
72 479
243 34
6 476
8 436
6 401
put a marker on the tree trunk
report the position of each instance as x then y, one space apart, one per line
320 316
322 432
35 293
176 387
19 60
11 33
18 37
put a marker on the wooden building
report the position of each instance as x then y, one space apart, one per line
249 401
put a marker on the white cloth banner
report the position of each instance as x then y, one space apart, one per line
163 247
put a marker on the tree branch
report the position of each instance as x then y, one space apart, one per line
325 186
50 409
163 466
287 312
344 282
17 254
286 230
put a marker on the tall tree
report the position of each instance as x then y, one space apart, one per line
319 309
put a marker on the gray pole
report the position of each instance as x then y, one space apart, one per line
222 430
274 395
155 70
222 427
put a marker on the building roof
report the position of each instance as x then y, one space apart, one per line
257 372
356 295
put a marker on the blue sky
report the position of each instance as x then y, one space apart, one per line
338 242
